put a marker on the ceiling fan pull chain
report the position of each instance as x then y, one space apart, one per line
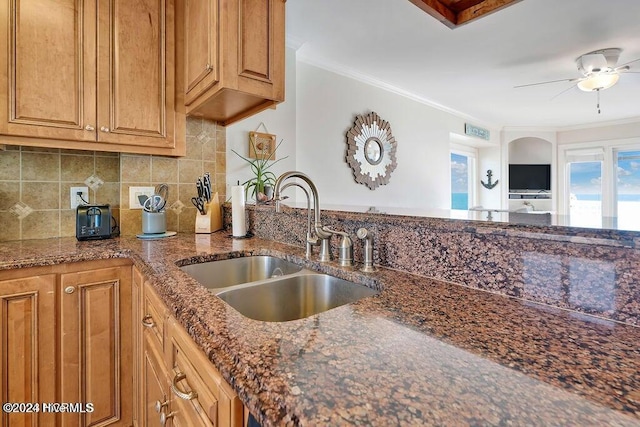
598 105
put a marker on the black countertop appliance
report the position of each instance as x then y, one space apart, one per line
93 222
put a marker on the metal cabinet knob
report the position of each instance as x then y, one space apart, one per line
147 321
208 67
69 290
104 129
89 128
161 405
164 417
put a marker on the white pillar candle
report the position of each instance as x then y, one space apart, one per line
238 221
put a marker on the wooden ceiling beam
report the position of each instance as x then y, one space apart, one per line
481 9
438 11
445 10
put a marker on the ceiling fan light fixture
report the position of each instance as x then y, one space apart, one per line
598 82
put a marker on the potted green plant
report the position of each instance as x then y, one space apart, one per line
261 184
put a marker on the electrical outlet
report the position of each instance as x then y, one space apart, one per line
136 192
75 199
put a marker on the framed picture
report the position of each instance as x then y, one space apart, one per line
262 145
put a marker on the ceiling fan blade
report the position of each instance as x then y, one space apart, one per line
564 91
630 62
551 81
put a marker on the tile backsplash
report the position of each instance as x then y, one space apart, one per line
35 183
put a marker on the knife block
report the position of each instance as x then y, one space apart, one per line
212 220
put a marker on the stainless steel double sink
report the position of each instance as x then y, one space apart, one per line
271 289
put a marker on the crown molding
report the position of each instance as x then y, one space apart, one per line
629 120
292 42
538 129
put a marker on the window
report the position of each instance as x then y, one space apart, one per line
627 194
462 180
601 185
585 193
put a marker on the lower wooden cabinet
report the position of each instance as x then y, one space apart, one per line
67 337
27 345
95 334
180 386
155 386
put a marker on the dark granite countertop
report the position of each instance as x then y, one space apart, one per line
421 352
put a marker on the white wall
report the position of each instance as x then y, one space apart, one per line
327 104
280 121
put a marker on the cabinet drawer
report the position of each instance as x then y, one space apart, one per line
154 314
193 402
214 402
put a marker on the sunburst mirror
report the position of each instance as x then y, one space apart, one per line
371 150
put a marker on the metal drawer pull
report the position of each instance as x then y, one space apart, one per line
181 394
148 322
161 405
89 128
164 417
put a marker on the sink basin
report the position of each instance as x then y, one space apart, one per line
234 271
293 297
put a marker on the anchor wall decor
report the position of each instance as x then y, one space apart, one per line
489 185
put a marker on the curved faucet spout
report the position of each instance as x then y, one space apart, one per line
311 239
314 194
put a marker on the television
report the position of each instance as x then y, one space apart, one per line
529 178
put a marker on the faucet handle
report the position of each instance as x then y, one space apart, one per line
346 246
345 250
363 233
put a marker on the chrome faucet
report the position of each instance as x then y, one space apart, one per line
321 235
311 239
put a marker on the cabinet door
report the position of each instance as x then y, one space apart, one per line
96 345
260 47
155 384
27 346
233 53
136 88
201 39
48 73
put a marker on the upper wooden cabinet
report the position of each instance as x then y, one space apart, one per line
90 75
233 53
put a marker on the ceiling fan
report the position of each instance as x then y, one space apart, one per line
599 72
